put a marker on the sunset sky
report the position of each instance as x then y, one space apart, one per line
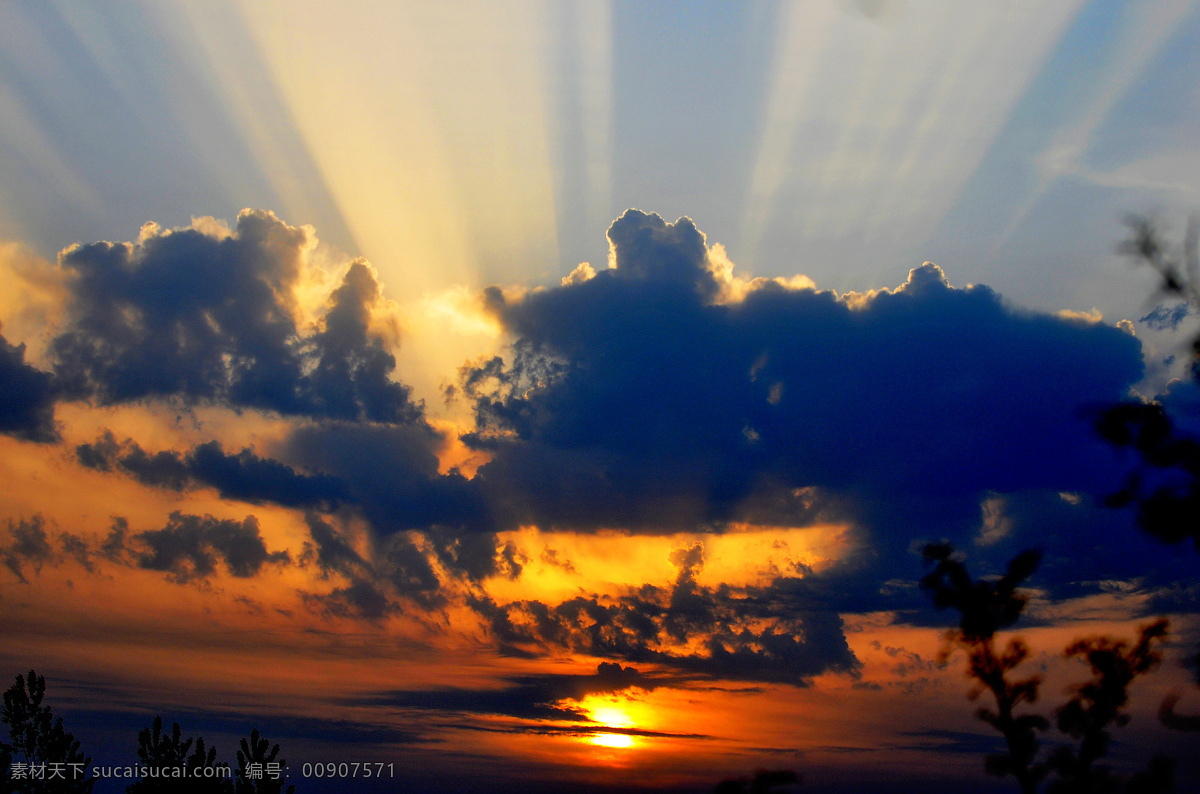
554 396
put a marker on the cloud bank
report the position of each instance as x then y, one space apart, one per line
662 394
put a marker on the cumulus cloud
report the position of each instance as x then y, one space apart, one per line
392 477
637 398
385 474
665 393
392 472
188 548
207 314
388 475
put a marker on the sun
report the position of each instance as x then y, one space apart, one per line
611 717
619 740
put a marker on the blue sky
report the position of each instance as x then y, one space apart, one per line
848 141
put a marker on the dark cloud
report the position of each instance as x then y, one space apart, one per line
398 568
1167 318
351 378
79 550
663 394
247 477
362 598
408 568
189 547
636 399
330 551
387 474
115 547
392 475
941 740
538 697
27 397
28 544
657 395
243 476
204 317
358 733
785 632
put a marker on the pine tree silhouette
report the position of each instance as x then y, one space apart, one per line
258 751
172 769
40 756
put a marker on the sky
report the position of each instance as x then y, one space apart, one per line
538 395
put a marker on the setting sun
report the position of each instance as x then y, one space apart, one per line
612 717
612 740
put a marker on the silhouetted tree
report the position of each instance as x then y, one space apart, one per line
258 763
1166 487
1179 272
40 756
987 606
174 770
764 781
1098 703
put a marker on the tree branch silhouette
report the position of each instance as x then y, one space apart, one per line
1098 703
986 606
1166 488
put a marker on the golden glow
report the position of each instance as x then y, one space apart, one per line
440 330
438 180
619 740
560 563
31 301
612 717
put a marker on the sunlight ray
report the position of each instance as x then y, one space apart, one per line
429 124
876 121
